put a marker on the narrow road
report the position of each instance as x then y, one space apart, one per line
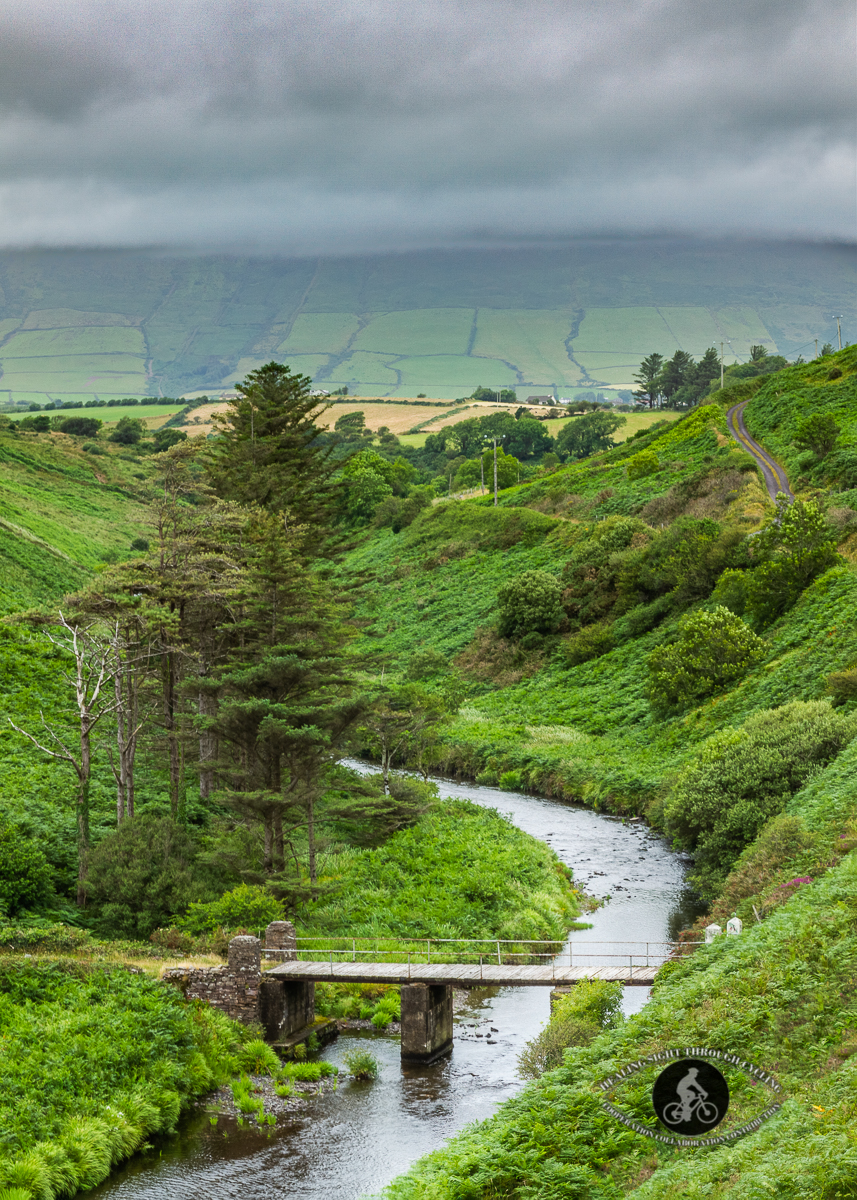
776 479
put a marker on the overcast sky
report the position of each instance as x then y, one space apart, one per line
320 126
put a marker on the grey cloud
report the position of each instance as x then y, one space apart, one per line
314 123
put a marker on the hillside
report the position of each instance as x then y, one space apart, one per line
109 324
751 768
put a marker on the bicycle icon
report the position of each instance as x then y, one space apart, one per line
692 1103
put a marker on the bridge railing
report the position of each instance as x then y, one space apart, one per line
486 951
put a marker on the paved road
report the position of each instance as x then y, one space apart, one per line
776 479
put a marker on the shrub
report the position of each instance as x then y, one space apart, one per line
730 591
530 603
246 906
25 876
741 778
817 433
576 1020
362 1065
142 874
426 664
128 431
164 438
643 464
591 642
139 543
80 426
93 448
795 546
842 685
258 1058
713 649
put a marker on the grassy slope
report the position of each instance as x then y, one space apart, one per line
62 512
783 995
440 578
95 1060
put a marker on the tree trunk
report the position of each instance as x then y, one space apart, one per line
206 707
169 675
311 847
268 859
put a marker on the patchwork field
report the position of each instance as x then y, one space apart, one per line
112 324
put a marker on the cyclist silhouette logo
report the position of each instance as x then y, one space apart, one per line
690 1096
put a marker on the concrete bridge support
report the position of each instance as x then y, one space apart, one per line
426 1022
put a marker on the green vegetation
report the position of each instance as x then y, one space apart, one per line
362 1065
658 641
67 1116
576 1019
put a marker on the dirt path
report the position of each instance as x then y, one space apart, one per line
776 479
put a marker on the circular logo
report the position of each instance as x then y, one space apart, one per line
690 1096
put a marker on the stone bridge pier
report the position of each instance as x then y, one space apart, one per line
426 1022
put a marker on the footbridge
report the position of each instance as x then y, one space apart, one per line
428 971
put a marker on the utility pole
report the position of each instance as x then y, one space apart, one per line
495 439
839 329
482 474
721 364
816 347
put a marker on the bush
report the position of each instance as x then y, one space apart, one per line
591 642
426 664
643 464
842 685
713 649
793 548
128 431
730 591
576 1020
25 876
258 1058
817 433
247 906
164 438
142 874
80 426
362 1065
530 603
741 778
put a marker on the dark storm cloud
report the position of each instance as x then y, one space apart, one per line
316 125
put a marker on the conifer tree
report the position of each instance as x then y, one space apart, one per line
268 452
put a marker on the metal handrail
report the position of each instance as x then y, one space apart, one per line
391 947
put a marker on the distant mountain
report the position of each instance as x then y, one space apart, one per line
112 323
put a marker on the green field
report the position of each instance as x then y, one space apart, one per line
585 313
153 414
534 341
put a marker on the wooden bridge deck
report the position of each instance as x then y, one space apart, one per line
462 975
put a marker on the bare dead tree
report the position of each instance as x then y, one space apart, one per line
90 678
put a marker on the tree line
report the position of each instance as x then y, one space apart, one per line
222 653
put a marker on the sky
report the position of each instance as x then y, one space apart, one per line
313 126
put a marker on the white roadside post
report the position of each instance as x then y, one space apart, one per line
734 926
711 932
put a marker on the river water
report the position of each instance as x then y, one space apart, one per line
353 1142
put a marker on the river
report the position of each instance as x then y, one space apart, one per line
352 1143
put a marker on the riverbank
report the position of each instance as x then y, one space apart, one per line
99 1054
781 996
